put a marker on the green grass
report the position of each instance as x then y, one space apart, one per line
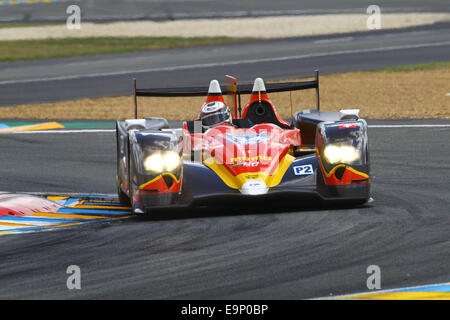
26 24
417 67
58 48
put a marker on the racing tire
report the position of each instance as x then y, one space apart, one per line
123 197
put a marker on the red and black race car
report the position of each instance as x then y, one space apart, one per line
254 156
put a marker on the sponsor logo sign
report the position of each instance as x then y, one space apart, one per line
248 138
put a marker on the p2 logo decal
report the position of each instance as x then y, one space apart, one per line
303 170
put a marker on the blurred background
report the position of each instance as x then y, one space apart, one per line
113 10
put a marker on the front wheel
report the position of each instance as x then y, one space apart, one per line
123 197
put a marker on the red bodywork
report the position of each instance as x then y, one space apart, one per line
262 96
256 149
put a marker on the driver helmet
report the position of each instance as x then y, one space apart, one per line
215 113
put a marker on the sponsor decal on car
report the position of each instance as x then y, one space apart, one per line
248 138
348 126
247 164
242 160
303 170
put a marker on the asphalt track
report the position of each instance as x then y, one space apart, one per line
110 75
110 10
273 252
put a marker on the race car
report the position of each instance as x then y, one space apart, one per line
228 155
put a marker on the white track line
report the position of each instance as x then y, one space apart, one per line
230 63
343 39
396 126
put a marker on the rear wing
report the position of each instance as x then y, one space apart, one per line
230 88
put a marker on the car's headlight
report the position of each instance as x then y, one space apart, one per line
154 162
335 154
158 162
171 160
